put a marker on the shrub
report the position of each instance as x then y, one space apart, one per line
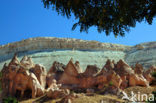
10 100
154 92
154 74
110 83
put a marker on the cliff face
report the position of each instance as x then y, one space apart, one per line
144 53
46 50
45 43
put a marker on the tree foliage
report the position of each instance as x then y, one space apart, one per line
108 16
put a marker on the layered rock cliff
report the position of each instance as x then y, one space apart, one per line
46 50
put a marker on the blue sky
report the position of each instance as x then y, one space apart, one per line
22 19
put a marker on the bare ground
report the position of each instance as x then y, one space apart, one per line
96 98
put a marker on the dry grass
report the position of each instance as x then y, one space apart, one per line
84 99
142 90
96 98
42 99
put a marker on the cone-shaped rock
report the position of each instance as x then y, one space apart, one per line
55 72
109 65
25 58
70 74
27 62
71 68
79 69
14 60
91 70
122 68
56 67
148 74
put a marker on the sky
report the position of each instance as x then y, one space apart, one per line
23 19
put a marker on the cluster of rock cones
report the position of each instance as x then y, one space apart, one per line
19 77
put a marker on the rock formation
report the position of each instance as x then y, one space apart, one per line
109 64
27 62
14 61
55 71
122 68
135 80
70 74
24 81
40 73
78 67
91 71
138 68
148 74
17 77
60 49
108 78
60 79
55 91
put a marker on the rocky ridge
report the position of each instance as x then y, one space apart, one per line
45 50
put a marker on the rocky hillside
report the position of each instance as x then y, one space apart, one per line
47 50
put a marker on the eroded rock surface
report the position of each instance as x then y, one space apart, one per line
21 76
43 50
18 77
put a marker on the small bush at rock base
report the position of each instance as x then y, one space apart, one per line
10 100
